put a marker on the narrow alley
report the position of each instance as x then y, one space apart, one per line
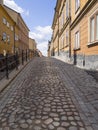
49 94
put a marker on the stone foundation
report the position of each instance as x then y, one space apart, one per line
86 62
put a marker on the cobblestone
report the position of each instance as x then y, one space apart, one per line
50 95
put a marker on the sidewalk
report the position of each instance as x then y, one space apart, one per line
5 82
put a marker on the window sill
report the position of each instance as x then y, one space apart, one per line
90 44
76 49
77 10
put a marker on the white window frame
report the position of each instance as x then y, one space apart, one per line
4 37
8 25
4 21
67 9
62 18
8 39
12 28
16 37
77 5
67 37
95 37
62 42
97 27
77 40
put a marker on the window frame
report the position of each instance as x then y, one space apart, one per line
8 24
62 46
4 20
8 39
4 37
67 37
62 18
94 16
96 33
77 5
77 40
67 9
12 28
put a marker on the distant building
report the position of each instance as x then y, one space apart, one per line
32 47
75 32
32 44
38 53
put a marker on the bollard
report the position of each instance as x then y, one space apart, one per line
7 73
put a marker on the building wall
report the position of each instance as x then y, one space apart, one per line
61 45
23 31
23 34
32 44
86 55
74 32
5 28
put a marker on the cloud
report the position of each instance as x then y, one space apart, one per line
14 6
42 35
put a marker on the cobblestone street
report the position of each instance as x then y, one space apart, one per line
50 95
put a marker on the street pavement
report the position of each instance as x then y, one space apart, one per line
49 94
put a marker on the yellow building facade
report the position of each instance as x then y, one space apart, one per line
7 26
75 32
21 31
14 33
32 44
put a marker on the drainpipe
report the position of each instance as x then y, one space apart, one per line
14 38
58 31
69 28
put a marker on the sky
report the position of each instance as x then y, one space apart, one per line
38 16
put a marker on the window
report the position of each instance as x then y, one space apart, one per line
12 28
77 40
97 27
62 18
94 28
8 39
67 10
16 37
67 37
4 21
4 37
62 41
8 25
77 4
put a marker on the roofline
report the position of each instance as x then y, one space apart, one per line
56 12
7 13
19 15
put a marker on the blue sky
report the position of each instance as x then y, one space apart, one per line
38 15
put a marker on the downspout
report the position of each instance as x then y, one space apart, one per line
58 31
69 28
14 39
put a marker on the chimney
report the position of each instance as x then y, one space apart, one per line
1 2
